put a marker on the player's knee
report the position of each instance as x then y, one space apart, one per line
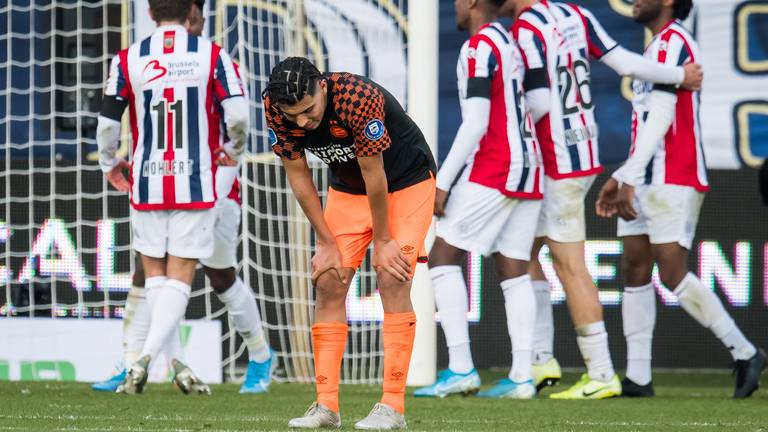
330 290
671 276
507 268
221 279
444 254
637 270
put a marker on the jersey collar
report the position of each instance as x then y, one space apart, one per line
171 27
668 24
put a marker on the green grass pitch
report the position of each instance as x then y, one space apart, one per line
684 402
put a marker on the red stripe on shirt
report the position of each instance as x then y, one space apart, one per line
169 182
493 152
128 89
211 112
594 50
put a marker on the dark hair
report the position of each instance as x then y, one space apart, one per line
170 10
497 3
682 8
199 3
291 80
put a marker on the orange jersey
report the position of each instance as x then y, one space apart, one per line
361 119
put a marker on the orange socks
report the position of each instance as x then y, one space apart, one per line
329 341
399 331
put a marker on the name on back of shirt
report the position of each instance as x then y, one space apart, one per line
167 168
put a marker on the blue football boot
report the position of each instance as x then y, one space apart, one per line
111 384
449 382
506 388
259 375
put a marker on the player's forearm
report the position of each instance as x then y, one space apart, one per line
475 115
237 120
108 141
538 102
627 63
376 189
660 116
305 191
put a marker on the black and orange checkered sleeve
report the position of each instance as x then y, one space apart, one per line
282 138
360 105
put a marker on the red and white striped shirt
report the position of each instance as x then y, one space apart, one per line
508 157
173 82
679 160
561 38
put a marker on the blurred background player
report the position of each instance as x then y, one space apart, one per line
557 41
165 80
382 190
494 174
658 194
220 269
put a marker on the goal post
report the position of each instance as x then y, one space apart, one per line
422 107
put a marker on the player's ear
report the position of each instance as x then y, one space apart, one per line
152 17
323 86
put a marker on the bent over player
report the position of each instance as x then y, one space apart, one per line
494 174
558 41
382 190
220 269
173 83
658 194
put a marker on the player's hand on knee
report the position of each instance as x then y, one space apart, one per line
388 257
605 206
624 203
441 197
117 179
327 258
694 75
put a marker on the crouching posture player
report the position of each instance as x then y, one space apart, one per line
382 190
494 202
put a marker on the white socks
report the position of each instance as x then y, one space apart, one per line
706 308
544 331
638 313
452 303
136 320
593 344
520 304
239 301
170 304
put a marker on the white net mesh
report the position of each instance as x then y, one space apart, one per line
66 236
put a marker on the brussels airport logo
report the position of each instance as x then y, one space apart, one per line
156 71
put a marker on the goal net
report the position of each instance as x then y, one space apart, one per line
65 234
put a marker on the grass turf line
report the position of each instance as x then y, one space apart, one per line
684 402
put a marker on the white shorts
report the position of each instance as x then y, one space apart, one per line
226 235
482 220
181 233
665 213
562 214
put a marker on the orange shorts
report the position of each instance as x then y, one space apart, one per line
410 215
